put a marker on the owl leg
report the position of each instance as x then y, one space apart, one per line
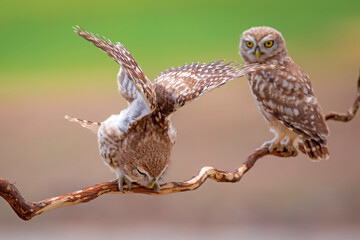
290 144
156 187
121 179
275 144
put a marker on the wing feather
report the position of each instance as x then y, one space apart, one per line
176 87
131 79
287 94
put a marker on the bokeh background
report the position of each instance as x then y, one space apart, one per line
46 71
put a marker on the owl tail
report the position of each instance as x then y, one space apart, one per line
315 150
93 126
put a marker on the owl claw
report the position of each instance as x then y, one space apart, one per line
156 187
289 150
272 145
121 182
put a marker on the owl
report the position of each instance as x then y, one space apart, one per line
136 143
284 95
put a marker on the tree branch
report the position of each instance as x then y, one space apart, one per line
345 117
27 211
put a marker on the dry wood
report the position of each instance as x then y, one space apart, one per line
345 117
27 211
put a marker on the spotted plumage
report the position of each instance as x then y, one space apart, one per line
176 87
137 143
284 95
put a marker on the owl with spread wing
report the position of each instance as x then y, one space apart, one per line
136 144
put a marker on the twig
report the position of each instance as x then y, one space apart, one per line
27 211
345 117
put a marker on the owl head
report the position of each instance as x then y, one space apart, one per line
146 164
261 44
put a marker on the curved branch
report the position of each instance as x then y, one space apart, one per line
345 117
27 211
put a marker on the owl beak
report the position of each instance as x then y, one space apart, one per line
257 53
154 186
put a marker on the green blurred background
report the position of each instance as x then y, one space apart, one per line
47 71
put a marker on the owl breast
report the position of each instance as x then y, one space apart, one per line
262 85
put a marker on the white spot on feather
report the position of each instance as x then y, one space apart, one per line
291 86
285 83
288 111
282 108
270 103
305 90
261 87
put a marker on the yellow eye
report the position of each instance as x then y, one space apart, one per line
249 44
269 43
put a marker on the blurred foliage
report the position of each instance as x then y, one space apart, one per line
37 38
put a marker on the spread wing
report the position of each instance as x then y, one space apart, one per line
132 82
176 87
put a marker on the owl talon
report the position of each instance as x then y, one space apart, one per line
271 146
121 180
275 146
128 183
291 150
156 187
288 150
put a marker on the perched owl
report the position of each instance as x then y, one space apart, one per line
284 95
137 143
